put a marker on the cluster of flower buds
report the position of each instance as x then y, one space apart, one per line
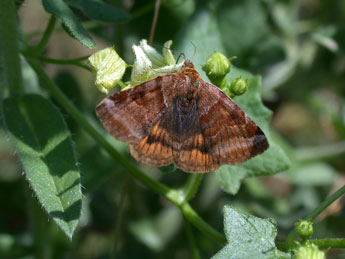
217 67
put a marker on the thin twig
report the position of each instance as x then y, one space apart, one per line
71 62
46 35
322 206
154 22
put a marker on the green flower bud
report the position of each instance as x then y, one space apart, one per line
310 251
108 67
216 67
238 86
304 228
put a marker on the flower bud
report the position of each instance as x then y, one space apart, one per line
108 67
310 251
216 67
304 228
238 86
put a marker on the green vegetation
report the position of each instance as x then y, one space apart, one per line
57 162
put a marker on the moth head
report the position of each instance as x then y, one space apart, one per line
188 64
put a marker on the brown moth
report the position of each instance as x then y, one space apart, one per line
180 118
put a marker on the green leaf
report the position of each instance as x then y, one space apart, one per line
248 237
200 36
99 10
203 25
44 146
61 10
242 35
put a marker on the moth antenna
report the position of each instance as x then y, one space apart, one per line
194 50
181 55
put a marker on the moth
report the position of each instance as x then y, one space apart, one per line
179 118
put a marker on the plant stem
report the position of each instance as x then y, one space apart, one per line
323 205
154 22
10 51
191 186
40 47
329 243
322 152
39 225
73 62
198 222
190 235
172 195
326 243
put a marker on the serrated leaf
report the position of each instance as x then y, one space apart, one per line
249 237
61 10
99 10
203 25
44 146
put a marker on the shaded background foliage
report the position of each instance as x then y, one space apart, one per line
297 46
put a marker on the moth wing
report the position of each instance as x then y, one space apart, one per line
130 115
226 135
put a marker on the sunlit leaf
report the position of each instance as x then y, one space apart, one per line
44 146
249 237
61 10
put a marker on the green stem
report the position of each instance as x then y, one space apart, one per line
10 49
199 223
322 152
329 243
73 62
40 47
326 243
39 225
323 205
190 235
191 186
172 195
